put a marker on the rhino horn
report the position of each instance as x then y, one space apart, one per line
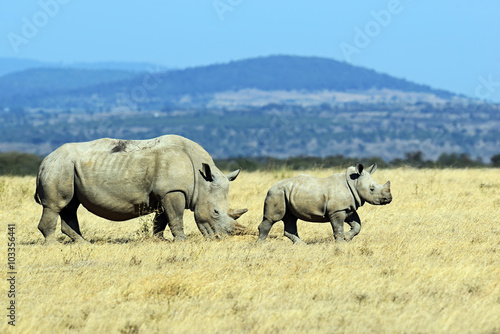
239 229
388 184
235 214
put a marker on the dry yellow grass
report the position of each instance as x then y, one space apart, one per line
427 263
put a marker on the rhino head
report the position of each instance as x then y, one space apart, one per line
212 213
365 189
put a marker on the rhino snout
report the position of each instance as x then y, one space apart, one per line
386 200
386 194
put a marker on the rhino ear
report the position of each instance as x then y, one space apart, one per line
206 172
359 168
233 175
372 168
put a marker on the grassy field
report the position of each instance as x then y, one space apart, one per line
429 262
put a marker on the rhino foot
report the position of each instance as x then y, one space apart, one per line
348 238
295 239
180 238
50 241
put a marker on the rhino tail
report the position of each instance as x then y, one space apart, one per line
37 190
37 196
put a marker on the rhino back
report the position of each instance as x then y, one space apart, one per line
312 198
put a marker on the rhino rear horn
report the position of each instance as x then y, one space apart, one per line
235 214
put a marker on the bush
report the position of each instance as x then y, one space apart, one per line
17 163
495 160
456 160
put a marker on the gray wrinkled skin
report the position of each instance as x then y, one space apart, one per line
333 199
123 179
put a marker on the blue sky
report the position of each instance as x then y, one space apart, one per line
448 44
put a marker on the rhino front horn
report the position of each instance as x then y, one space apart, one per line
235 214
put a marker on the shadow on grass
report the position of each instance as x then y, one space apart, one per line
99 240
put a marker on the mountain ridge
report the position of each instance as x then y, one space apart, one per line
160 88
11 65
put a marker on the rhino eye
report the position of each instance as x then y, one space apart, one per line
216 212
372 188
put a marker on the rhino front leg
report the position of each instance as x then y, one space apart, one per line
174 204
291 233
274 210
337 220
264 229
355 223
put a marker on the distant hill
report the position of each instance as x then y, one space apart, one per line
73 88
283 73
27 88
119 66
11 65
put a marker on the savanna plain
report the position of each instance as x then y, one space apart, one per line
429 262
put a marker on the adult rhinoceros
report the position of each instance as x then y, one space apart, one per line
123 179
333 199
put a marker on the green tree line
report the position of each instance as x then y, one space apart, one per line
22 164
411 159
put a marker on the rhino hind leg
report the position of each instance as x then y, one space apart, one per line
47 224
355 224
54 191
291 233
69 221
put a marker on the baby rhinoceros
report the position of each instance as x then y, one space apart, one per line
333 199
